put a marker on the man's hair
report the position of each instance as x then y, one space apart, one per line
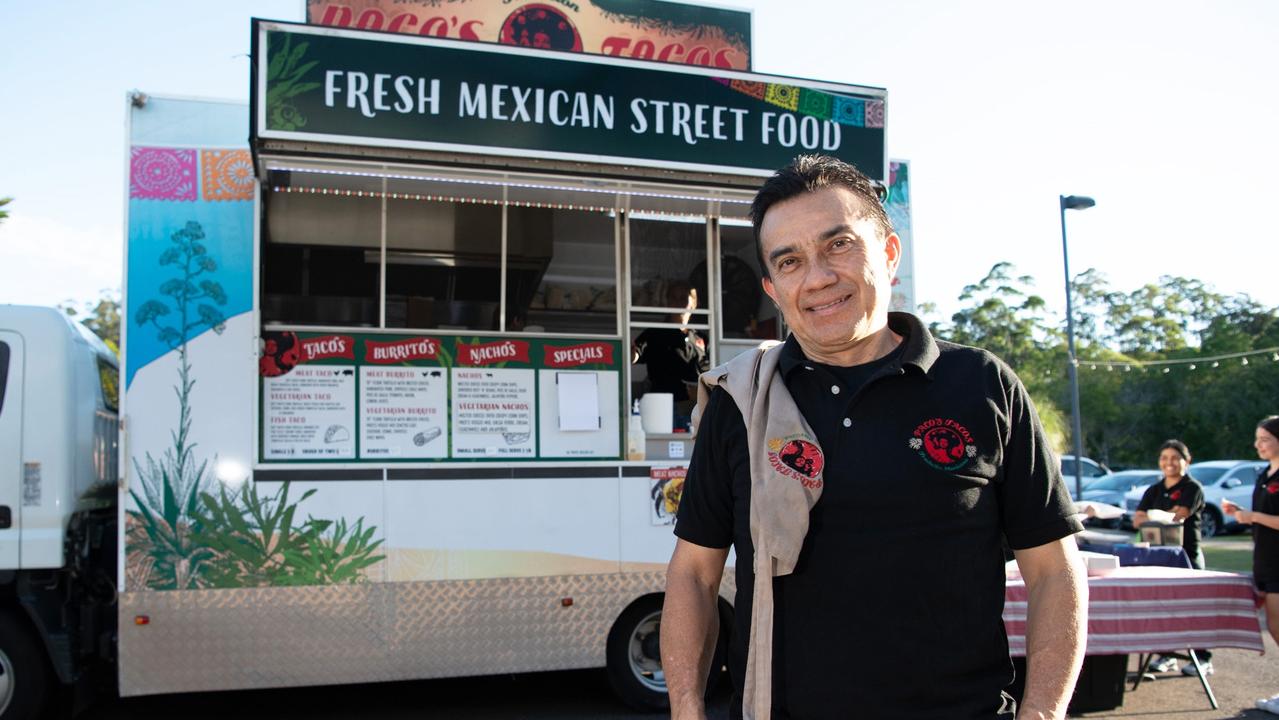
809 173
1177 445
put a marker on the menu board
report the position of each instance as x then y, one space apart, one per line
388 398
403 413
493 413
308 414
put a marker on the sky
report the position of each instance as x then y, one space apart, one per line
1164 111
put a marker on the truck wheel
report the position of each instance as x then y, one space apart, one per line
635 659
24 674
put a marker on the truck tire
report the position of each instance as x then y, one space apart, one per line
24 673
634 656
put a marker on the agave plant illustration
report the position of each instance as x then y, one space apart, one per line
170 486
285 81
339 557
166 534
249 536
256 541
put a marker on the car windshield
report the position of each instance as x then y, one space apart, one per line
1207 475
1087 468
1123 481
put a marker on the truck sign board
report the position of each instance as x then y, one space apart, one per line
327 85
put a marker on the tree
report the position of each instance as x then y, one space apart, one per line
1004 317
1129 405
102 316
1162 317
4 213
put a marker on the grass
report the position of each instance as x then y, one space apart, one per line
1229 553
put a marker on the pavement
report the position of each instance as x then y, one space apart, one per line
1241 677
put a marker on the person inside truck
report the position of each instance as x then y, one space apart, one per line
674 357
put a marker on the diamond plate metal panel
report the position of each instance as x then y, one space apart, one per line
202 640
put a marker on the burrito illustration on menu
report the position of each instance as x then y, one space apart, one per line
426 436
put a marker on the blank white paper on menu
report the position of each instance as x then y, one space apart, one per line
579 400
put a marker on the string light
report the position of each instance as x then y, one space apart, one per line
709 197
468 200
1189 363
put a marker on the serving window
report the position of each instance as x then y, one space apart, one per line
425 253
416 318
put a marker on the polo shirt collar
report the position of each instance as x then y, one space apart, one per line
918 349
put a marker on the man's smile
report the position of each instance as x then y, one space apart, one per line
832 305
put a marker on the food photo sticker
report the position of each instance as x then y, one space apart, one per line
665 490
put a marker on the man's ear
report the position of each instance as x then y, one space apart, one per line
769 290
893 252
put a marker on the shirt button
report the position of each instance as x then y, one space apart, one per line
834 389
848 423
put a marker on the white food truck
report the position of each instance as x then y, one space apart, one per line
377 368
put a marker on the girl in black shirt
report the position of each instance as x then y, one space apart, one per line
1264 518
1178 493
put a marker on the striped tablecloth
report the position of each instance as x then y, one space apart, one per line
1155 609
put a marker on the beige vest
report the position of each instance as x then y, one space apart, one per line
786 481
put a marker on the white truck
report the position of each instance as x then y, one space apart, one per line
58 539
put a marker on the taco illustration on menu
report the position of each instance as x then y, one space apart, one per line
337 434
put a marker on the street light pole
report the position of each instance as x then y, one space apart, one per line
1073 202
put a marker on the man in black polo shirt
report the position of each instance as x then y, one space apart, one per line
931 456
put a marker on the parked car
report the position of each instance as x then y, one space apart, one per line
1230 479
1110 489
1090 470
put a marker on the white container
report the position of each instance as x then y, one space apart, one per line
658 413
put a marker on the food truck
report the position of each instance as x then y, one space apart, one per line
377 364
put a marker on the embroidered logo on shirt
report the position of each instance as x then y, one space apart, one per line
1175 495
943 444
1272 487
796 457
